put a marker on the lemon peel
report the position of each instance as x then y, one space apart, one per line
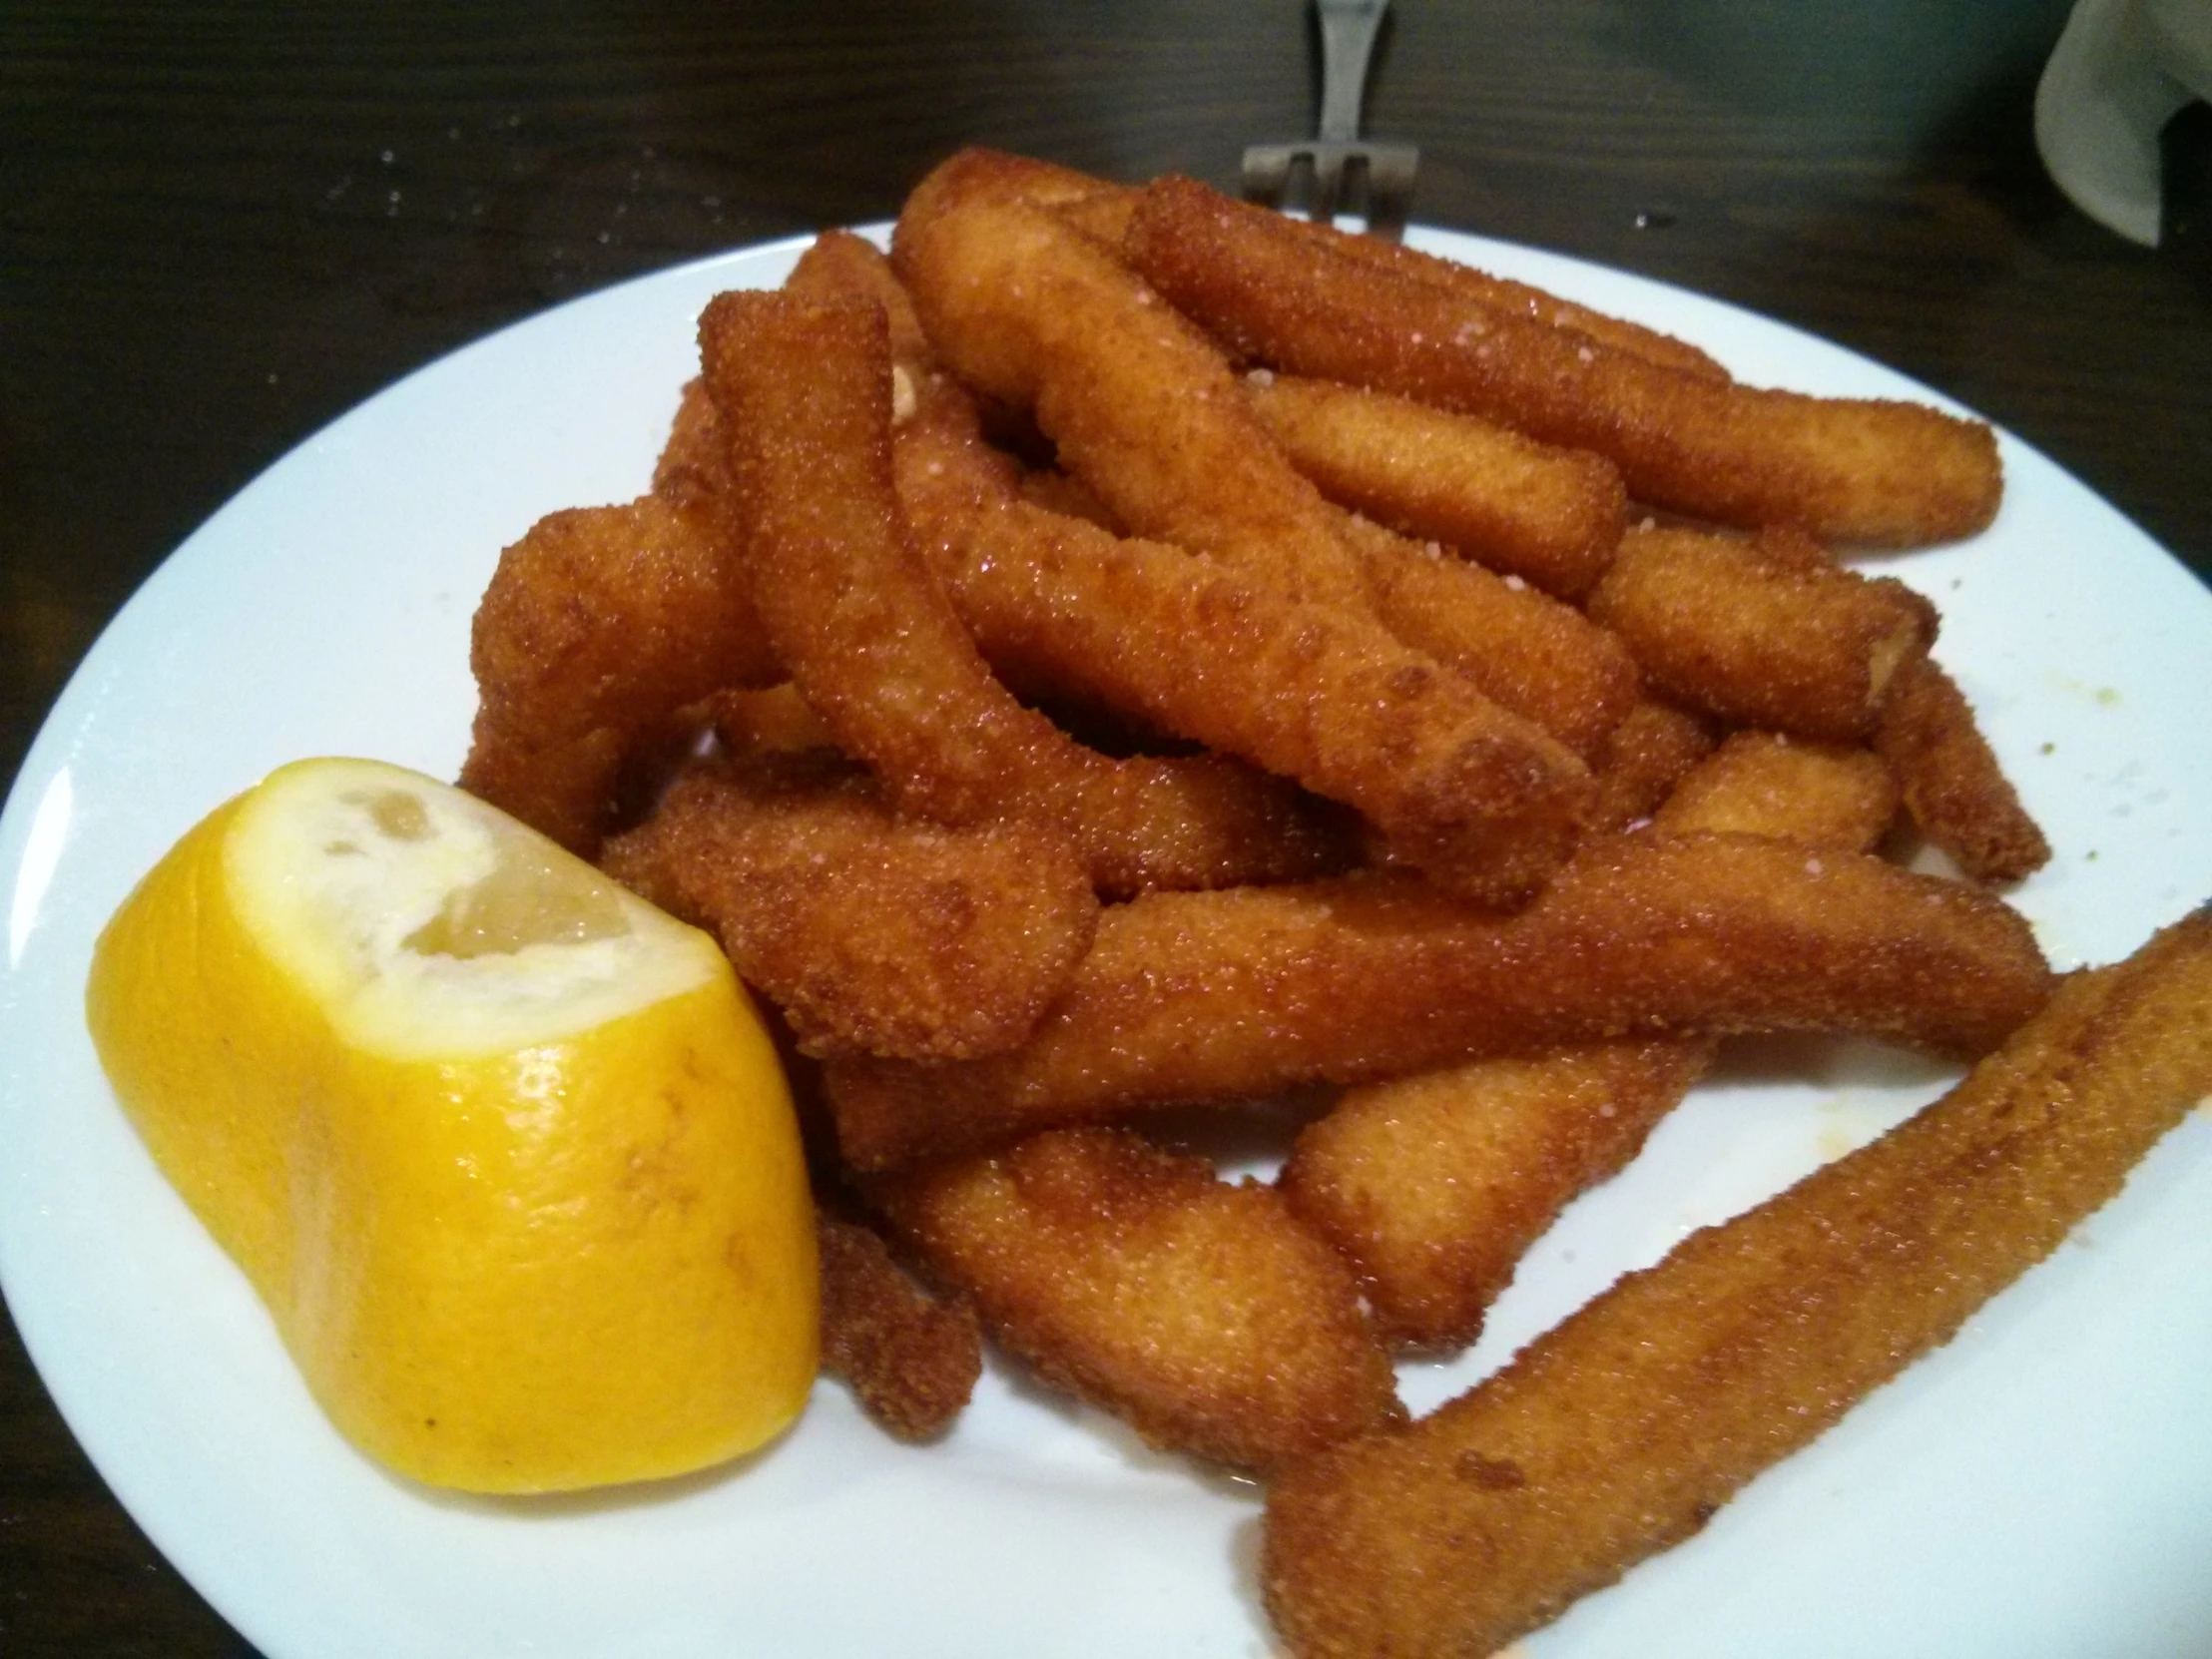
506 1152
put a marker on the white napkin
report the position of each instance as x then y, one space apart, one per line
2119 73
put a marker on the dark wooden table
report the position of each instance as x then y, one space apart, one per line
222 224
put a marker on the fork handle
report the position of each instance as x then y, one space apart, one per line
1348 30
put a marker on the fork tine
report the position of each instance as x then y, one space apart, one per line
1328 183
1390 169
1357 197
1267 170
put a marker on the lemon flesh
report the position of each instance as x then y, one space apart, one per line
506 1152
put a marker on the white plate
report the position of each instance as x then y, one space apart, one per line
2043 1486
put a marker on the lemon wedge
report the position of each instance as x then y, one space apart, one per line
506 1152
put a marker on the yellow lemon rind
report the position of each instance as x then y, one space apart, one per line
579 1261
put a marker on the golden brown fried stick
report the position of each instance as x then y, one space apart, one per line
1499 293
1926 734
1953 788
1099 207
1621 1430
598 626
1139 404
1241 994
1231 825
568 790
842 266
1064 190
1147 413
1531 654
1103 215
693 470
910 1360
1850 470
1200 1312
1793 789
1552 516
1307 691
802 390
1642 759
868 932
1433 1186
1719 623
1535 658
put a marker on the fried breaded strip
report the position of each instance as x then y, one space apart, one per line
1200 1312
1642 759
1067 190
693 470
1531 654
1140 405
1241 994
1850 471
870 933
1791 548
1957 792
1433 1186
910 1360
1103 215
1926 734
1099 207
1536 659
1620 1432
598 626
567 790
1718 624
1514 298
1235 825
802 390
1552 516
1147 413
841 266
1306 690
1793 789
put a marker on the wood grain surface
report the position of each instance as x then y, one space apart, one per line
222 224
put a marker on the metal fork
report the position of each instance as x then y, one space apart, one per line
1335 170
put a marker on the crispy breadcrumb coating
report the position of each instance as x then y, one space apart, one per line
1642 759
1620 1432
1957 792
1241 994
1723 624
803 388
870 933
910 1358
1790 788
1201 1311
1434 1185
1552 516
1848 470
1306 690
599 625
